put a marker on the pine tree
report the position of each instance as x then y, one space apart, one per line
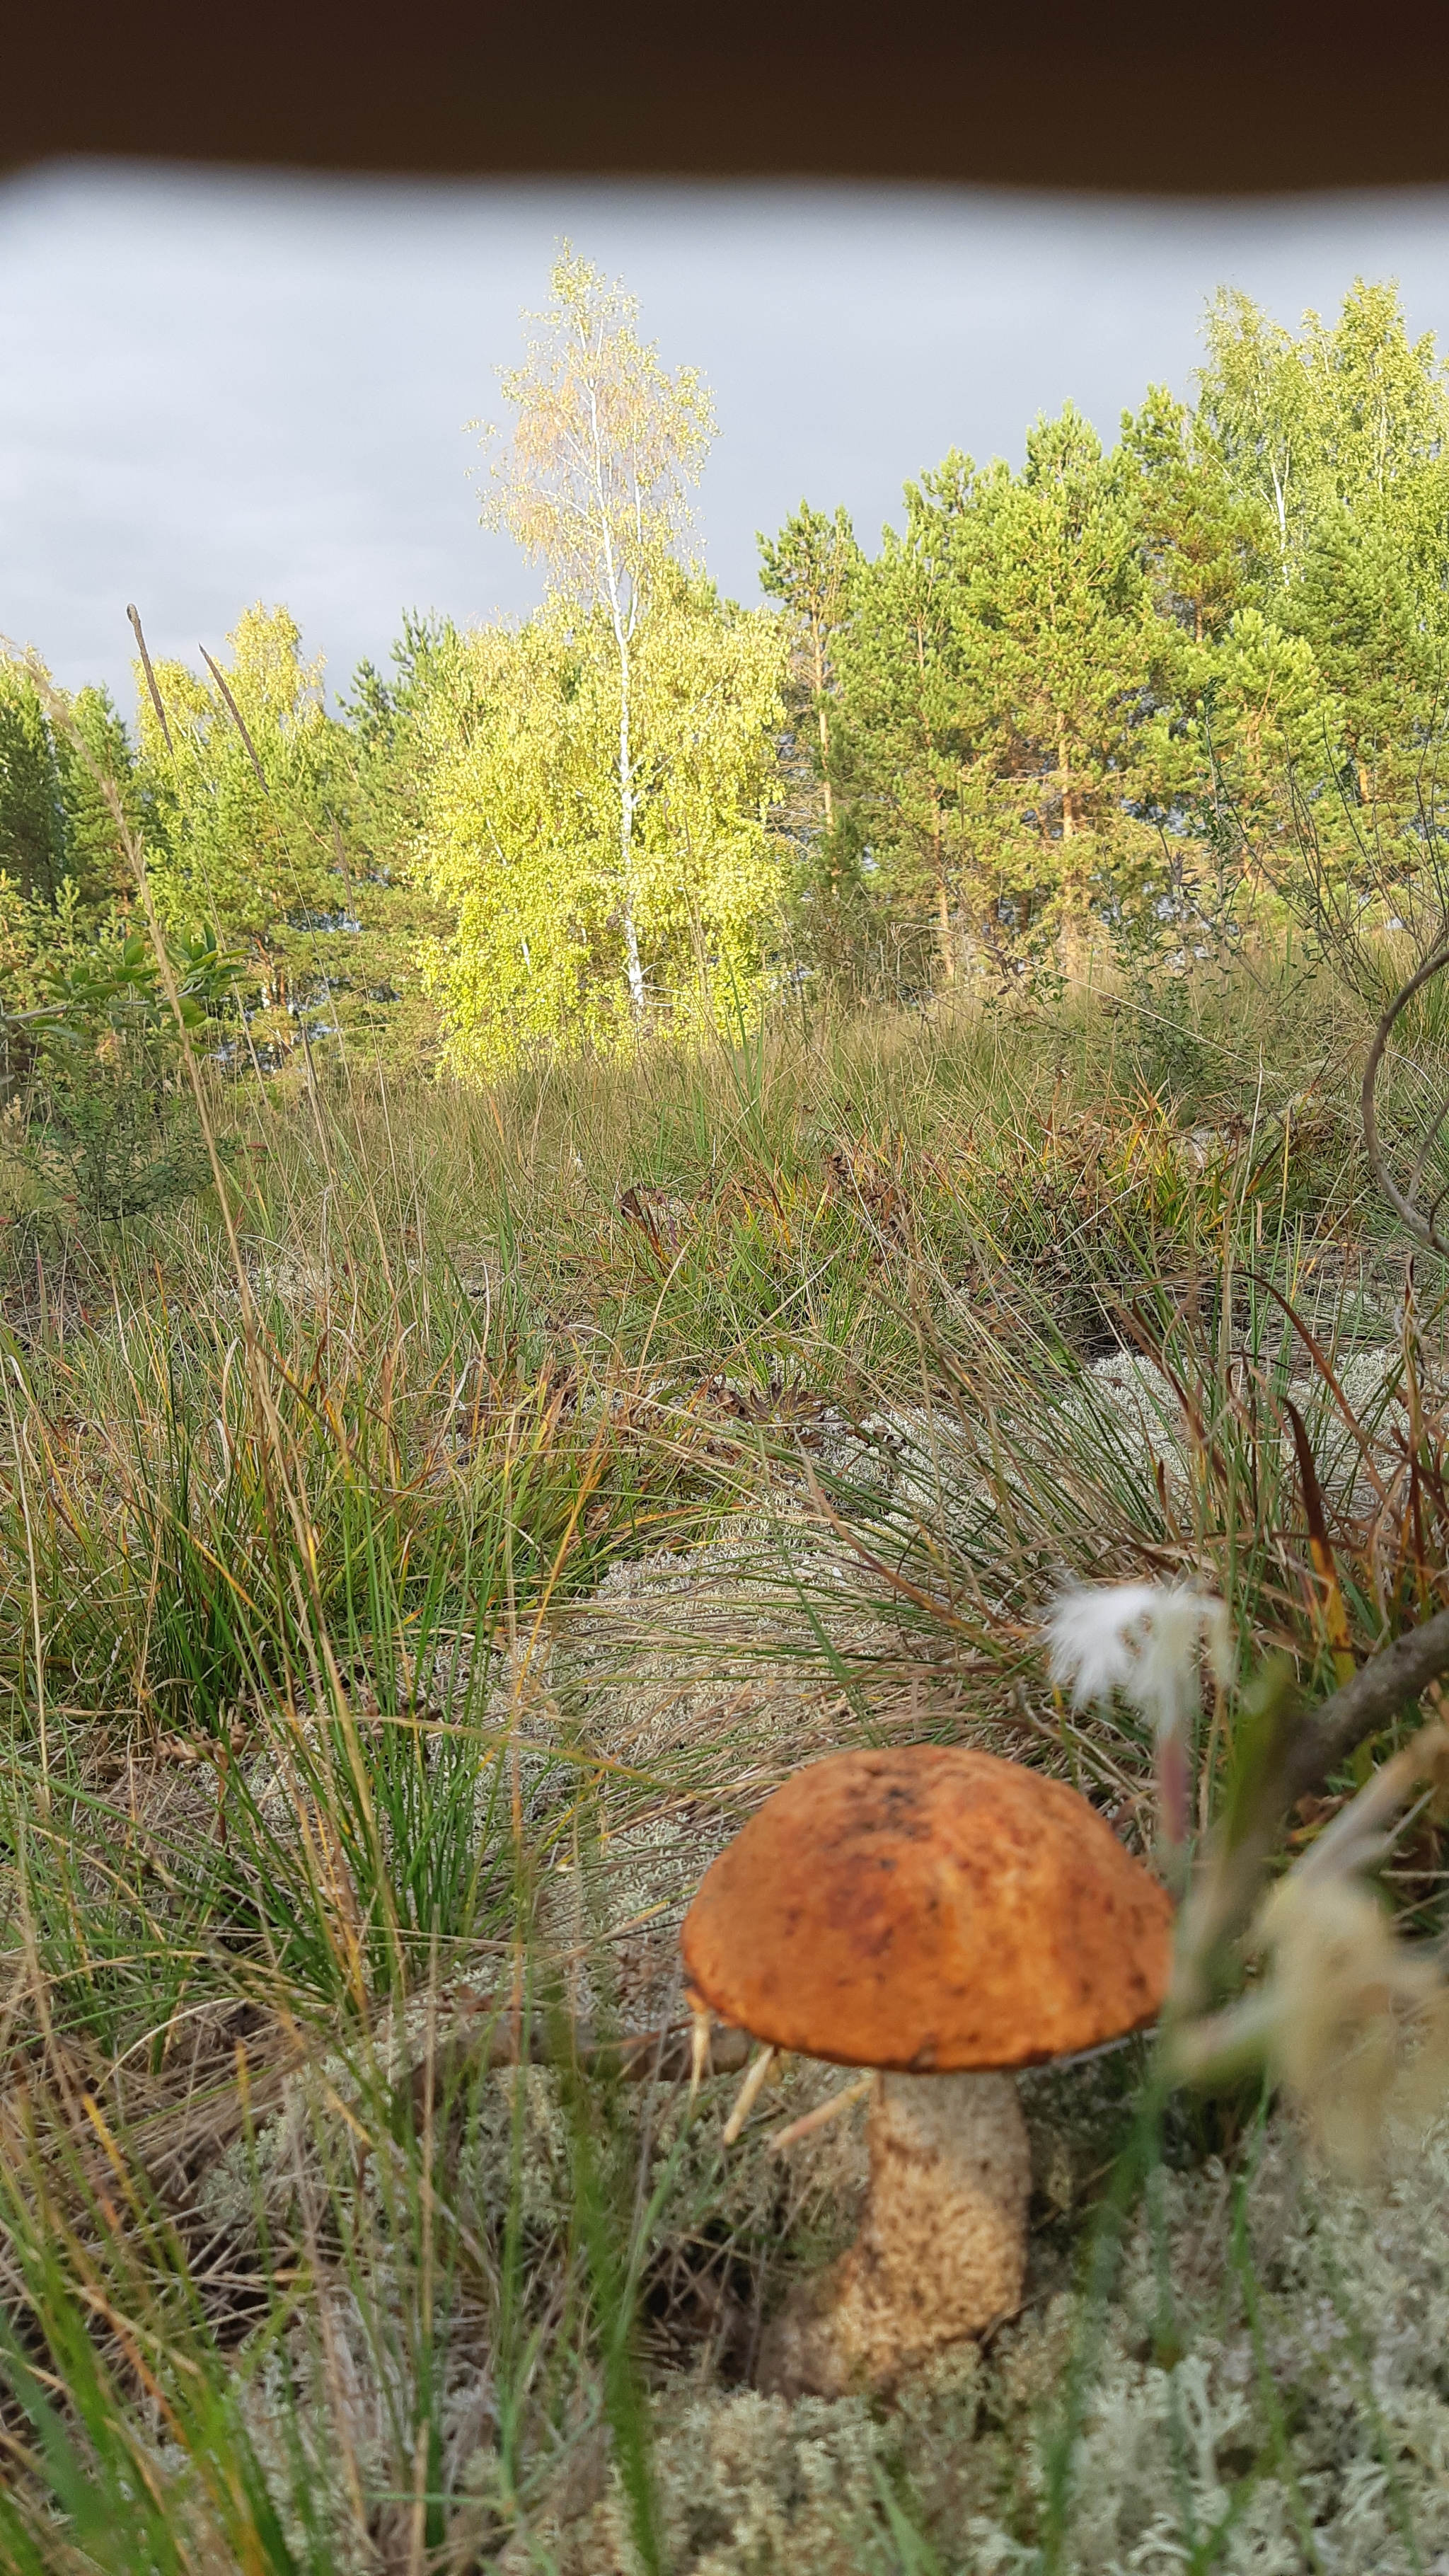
94 858
32 809
385 913
809 568
244 796
1340 436
1204 537
1067 664
906 750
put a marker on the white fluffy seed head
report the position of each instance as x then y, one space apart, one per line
1142 1639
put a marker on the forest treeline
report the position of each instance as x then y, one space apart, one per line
1133 695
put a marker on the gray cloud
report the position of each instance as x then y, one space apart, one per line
217 388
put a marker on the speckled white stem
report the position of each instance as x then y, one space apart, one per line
941 2251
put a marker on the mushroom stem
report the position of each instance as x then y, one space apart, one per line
941 2250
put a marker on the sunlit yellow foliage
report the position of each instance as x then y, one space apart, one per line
243 816
522 838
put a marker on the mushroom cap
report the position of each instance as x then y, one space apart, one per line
928 1909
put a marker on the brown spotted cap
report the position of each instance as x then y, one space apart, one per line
928 1909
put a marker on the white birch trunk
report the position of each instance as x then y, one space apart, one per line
622 620
633 968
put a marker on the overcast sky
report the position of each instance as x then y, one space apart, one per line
218 389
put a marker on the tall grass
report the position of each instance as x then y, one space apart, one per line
295 2277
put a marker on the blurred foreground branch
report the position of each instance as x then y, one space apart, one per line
1288 1756
1350 2017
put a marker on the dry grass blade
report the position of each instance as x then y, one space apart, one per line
1419 1221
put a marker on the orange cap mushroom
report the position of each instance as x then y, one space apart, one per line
944 1917
930 1908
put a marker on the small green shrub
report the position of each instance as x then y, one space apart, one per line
109 1129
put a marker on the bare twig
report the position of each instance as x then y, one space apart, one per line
1378 1690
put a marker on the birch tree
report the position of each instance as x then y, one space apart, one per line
519 838
592 484
1347 415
